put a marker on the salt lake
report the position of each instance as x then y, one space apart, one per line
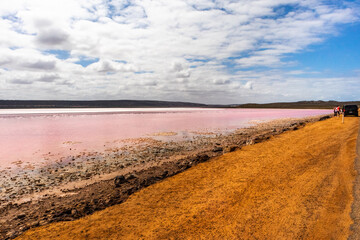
30 135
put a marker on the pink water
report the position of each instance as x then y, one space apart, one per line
29 135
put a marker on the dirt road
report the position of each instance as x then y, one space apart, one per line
355 209
297 185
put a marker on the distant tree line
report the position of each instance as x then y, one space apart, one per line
8 104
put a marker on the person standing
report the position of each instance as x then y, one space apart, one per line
338 110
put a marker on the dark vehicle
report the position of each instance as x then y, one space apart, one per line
350 110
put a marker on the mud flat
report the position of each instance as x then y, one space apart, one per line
80 185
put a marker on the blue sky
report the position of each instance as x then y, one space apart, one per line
336 55
207 51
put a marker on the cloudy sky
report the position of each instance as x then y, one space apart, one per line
207 51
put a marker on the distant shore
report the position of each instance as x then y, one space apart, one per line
47 195
18 104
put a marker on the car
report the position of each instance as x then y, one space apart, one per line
350 110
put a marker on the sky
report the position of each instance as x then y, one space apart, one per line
205 51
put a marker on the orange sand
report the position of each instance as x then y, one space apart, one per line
294 186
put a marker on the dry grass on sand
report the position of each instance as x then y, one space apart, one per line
296 185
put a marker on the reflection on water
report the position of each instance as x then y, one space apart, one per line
36 134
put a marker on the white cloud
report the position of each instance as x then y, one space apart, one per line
26 60
248 85
108 66
174 49
221 81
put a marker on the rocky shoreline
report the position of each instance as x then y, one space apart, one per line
79 185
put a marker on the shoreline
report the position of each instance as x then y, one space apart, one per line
98 191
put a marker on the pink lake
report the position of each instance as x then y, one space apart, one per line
30 134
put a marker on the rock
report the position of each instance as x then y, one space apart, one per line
21 216
165 174
230 148
249 142
243 142
202 158
119 180
258 139
11 234
73 212
33 224
43 222
23 228
217 149
130 176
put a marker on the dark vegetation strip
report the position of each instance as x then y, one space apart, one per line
13 104
300 105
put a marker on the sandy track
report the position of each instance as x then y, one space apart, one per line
355 210
297 185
